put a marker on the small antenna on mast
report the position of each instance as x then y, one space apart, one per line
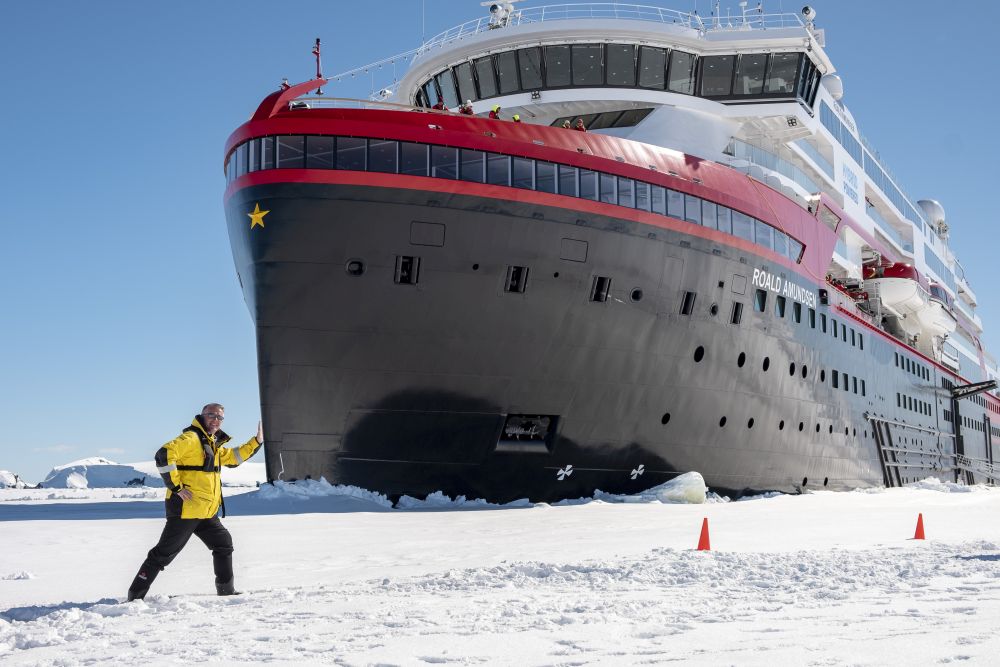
319 72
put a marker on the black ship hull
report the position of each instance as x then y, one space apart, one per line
459 383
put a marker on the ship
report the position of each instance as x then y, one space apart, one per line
457 288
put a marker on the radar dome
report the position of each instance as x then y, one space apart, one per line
809 13
835 85
933 210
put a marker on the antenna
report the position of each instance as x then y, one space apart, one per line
501 11
319 73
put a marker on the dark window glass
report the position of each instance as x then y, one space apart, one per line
588 65
631 117
292 152
567 180
760 301
267 153
835 325
507 72
603 120
472 165
812 318
626 196
853 338
717 75
621 65
231 167
681 78
763 234
822 322
588 184
382 155
351 153
412 159
641 195
779 306
608 189
709 214
692 209
557 66
253 155
444 162
794 249
241 159
421 100
497 169
780 243
523 173
742 226
431 92
319 153
466 83
658 200
725 220
750 74
446 82
545 176
530 64
781 74
675 204
486 77
797 312
835 376
652 67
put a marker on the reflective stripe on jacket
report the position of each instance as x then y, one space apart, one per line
193 461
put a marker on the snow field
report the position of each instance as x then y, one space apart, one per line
820 579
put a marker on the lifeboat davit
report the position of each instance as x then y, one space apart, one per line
901 290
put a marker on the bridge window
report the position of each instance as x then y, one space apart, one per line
507 72
588 184
431 92
750 75
709 213
652 67
291 153
681 76
781 74
498 169
725 220
780 243
692 209
763 234
444 162
567 180
675 204
466 82
351 153
642 195
446 82
486 77
557 72
412 159
382 155
608 189
588 65
717 75
267 153
471 165
625 192
530 62
523 173
545 176
658 200
621 65
320 153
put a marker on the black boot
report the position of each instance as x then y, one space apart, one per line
227 588
143 580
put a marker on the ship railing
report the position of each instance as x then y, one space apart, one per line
324 102
751 20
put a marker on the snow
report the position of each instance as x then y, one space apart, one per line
334 575
9 480
98 472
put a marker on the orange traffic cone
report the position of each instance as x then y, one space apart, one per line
703 544
919 535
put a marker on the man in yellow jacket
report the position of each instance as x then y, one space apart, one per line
190 465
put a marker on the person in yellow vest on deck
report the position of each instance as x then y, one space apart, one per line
190 466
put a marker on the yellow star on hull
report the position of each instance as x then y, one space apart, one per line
257 217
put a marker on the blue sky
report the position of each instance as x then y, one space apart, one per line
121 311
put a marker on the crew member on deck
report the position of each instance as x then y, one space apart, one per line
579 127
495 112
566 125
439 106
517 118
466 108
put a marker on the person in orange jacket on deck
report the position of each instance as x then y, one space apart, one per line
190 465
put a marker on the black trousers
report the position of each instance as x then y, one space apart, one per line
175 536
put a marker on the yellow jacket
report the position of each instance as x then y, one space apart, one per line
193 460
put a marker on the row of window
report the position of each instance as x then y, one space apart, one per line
847 382
840 331
732 76
974 424
413 159
911 366
913 404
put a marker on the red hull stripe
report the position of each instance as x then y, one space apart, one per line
505 193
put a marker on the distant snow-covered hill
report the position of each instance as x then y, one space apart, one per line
98 472
9 480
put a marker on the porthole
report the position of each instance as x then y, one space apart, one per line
781 425
791 368
826 480
854 432
831 429
804 371
475 267
817 428
801 426
665 418
750 423
355 267
742 359
846 431
767 363
722 422
714 309
555 275
822 376
699 354
636 294
805 480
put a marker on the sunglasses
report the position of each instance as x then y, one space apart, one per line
213 415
